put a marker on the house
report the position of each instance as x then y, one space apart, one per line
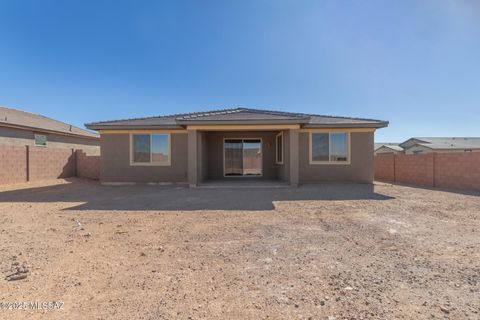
235 144
418 145
20 128
387 148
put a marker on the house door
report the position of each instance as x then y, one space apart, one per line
242 157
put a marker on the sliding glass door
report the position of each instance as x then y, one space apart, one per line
233 157
243 157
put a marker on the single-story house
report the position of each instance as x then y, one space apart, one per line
20 128
418 145
388 148
234 144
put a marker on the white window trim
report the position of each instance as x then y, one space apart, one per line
348 162
242 176
156 164
40 145
276 150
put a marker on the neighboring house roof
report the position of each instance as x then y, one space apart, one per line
25 120
443 143
238 116
392 146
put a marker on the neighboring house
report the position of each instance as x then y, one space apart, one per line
21 128
236 144
419 145
388 148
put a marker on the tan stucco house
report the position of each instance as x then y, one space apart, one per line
20 128
235 144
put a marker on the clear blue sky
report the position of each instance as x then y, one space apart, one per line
414 63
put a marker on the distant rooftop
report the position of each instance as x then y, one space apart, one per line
238 116
444 142
26 120
390 145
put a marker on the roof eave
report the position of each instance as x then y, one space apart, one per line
132 127
376 125
43 130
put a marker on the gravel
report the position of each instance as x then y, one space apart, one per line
316 252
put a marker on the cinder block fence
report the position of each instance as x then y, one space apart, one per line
25 163
443 170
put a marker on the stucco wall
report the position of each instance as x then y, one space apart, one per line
115 161
282 169
215 152
17 137
203 156
360 169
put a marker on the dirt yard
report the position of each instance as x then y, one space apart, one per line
316 252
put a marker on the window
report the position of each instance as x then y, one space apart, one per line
329 147
417 151
150 149
279 148
40 140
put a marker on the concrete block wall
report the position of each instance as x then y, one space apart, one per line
416 169
13 164
444 170
25 163
88 165
385 167
458 170
50 163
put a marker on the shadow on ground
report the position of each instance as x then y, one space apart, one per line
94 196
451 190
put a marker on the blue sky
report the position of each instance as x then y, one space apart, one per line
414 63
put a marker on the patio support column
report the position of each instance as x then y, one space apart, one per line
192 158
293 152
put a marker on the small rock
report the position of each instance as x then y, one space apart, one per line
14 277
445 310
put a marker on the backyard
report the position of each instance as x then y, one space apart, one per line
332 251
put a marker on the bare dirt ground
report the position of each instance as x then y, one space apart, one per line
316 252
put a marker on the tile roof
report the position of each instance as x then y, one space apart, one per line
450 143
237 115
393 146
18 118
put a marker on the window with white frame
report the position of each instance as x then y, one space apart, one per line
329 147
40 140
279 148
150 149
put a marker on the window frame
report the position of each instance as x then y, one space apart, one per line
35 140
310 147
280 135
155 164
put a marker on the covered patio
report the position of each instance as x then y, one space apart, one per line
243 156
